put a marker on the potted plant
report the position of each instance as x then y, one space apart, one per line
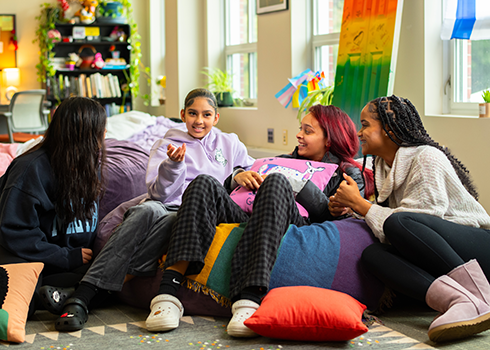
221 84
321 96
485 107
112 11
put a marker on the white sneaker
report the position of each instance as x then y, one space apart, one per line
166 311
242 310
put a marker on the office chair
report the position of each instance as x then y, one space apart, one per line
26 113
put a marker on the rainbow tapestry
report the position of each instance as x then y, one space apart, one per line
367 53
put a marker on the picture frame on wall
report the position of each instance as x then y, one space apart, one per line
266 6
8 50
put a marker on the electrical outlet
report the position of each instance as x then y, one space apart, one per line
284 137
270 135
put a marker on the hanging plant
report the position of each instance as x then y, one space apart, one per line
50 15
47 20
134 41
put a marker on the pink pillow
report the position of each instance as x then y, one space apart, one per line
317 172
308 313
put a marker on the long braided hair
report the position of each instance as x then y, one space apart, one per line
399 116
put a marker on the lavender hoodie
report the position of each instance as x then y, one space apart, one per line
216 154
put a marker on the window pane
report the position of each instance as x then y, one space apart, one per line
238 22
472 66
244 70
253 11
326 58
328 16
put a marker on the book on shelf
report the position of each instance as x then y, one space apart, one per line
112 108
88 83
94 85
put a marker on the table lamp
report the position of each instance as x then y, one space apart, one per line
11 79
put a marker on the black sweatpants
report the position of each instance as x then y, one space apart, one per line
424 247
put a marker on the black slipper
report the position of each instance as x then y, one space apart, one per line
74 317
53 298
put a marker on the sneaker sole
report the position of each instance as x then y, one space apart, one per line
241 333
156 326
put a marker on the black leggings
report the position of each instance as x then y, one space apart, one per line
424 247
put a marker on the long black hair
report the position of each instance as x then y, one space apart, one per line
74 142
399 116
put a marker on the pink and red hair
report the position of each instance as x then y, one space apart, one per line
341 134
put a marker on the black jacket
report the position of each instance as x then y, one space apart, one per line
29 226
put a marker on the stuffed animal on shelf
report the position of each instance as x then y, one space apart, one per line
87 13
98 61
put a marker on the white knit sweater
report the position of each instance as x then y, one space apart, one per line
422 180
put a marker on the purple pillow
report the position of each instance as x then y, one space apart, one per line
317 172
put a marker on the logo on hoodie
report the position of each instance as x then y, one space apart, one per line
220 158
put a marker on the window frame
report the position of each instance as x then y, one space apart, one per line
320 40
245 49
450 85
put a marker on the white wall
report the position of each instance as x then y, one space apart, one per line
282 53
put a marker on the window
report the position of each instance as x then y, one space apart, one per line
241 46
466 65
471 69
157 49
327 20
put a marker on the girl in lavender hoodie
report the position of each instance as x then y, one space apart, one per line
136 245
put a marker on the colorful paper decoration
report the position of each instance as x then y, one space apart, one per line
298 87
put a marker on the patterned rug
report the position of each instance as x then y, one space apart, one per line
194 332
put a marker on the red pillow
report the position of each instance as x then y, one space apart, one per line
308 313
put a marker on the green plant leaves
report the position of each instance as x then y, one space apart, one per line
219 81
322 96
486 96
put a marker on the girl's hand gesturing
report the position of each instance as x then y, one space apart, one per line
176 154
348 195
337 209
249 179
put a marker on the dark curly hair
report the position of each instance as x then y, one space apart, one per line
399 116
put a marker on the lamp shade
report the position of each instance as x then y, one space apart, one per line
11 77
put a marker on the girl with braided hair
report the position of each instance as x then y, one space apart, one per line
431 228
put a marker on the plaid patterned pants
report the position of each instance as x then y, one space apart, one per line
206 204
